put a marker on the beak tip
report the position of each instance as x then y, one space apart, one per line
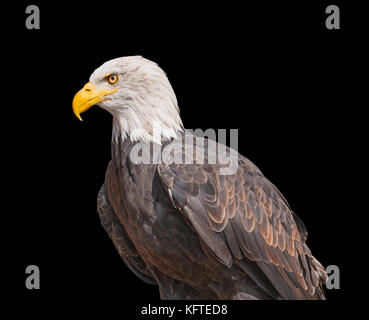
78 116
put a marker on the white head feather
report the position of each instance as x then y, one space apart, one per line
144 101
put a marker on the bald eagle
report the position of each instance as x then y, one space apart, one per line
186 227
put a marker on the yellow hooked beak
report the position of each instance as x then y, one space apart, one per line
87 97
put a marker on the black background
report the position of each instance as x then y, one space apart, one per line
271 70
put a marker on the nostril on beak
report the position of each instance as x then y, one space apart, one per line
88 88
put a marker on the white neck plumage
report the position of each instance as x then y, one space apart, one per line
147 123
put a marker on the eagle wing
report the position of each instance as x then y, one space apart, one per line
244 219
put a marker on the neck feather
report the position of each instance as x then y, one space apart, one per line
136 130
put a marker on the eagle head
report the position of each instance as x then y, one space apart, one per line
138 95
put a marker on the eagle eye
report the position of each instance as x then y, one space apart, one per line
113 78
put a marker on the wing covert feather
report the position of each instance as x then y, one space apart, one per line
245 216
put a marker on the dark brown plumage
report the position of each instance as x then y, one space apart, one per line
202 235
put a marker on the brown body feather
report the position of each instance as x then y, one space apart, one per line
202 235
